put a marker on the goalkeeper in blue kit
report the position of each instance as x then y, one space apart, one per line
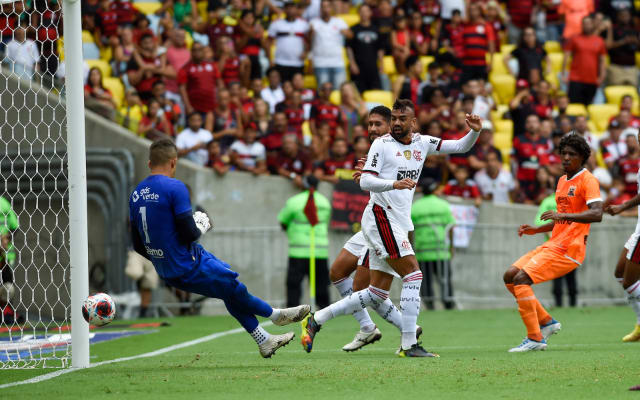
164 230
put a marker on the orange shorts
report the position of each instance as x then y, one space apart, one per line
543 264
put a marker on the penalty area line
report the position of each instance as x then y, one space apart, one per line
55 374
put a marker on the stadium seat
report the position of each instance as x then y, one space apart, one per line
503 140
552 47
614 94
188 40
102 65
335 97
202 10
378 96
498 67
601 113
506 158
426 60
388 65
61 48
556 61
306 129
593 128
148 8
350 19
504 86
507 48
497 115
504 126
116 88
310 82
576 109
87 37
106 53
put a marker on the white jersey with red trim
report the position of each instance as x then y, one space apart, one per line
392 160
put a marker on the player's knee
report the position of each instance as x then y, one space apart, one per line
521 278
509 274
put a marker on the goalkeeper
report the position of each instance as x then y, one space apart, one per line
164 230
8 225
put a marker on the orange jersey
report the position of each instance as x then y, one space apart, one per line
572 197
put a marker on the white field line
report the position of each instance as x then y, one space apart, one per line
51 375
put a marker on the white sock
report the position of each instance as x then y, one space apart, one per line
349 305
634 299
260 335
275 314
634 290
410 307
390 313
345 288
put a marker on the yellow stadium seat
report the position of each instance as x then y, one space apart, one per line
503 140
637 58
504 86
306 129
426 60
506 158
498 67
507 48
188 40
87 37
614 94
148 8
102 65
335 97
601 113
106 54
61 48
388 65
553 47
497 115
504 126
350 19
202 11
576 109
556 61
310 82
116 88
378 96
593 128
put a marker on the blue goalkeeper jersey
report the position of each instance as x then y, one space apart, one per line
153 207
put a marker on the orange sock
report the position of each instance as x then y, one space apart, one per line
543 315
527 308
510 289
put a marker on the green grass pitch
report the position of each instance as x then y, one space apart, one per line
586 360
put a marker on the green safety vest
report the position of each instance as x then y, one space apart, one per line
299 229
8 223
548 204
431 216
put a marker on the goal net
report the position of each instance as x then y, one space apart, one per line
35 310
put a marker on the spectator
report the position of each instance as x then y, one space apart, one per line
581 128
232 67
216 160
434 222
161 95
362 49
496 18
628 166
554 21
199 80
145 67
178 55
521 13
192 142
383 19
544 186
340 159
321 142
351 106
327 42
308 95
324 110
273 140
588 53
496 184
562 103
361 146
626 117
612 146
462 186
132 111
407 86
433 80
527 153
553 161
294 111
123 51
530 55
97 97
479 41
437 108
290 38
226 125
154 124
458 130
574 12
294 221
453 35
21 54
482 103
452 7
479 154
293 162
106 23
400 42
249 37
262 118
219 25
622 44
249 155
542 100
419 38
521 107
185 12
273 93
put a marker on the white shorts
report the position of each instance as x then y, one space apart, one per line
386 238
139 268
633 250
358 246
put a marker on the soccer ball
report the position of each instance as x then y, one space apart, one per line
99 309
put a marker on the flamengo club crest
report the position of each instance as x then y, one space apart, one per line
407 154
417 154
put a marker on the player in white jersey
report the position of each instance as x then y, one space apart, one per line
393 166
627 271
354 257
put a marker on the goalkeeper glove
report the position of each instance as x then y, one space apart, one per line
202 221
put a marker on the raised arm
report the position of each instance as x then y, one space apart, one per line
464 144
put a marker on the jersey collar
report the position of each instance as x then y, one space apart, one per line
577 174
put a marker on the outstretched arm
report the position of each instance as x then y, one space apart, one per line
593 214
617 209
464 144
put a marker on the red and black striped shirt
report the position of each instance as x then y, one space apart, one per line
476 38
520 12
326 112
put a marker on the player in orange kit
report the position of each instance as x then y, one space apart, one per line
579 204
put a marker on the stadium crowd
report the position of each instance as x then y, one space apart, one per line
283 87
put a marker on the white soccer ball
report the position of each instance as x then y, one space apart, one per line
99 309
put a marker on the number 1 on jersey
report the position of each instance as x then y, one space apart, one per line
143 214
